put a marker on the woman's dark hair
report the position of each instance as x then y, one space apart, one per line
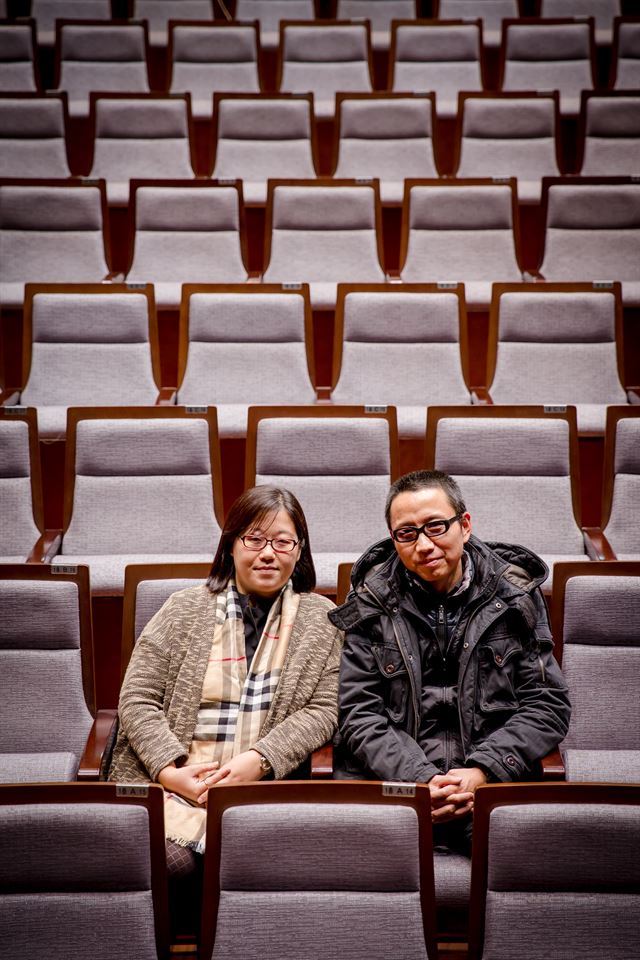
248 511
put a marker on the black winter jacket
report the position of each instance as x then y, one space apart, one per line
512 700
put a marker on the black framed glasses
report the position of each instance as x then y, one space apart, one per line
280 544
432 529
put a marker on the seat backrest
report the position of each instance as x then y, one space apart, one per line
558 854
92 345
338 461
102 57
517 468
85 863
158 13
602 11
21 511
597 619
245 345
380 15
18 69
611 125
491 12
621 470
555 343
46 12
625 61
141 480
32 136
270 13
318 839
46 654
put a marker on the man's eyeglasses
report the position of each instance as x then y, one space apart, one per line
279 544
432 528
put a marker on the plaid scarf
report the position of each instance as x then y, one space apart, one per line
235 699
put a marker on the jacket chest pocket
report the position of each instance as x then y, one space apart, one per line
497 664
394 681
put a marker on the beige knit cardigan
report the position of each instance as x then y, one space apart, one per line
160 695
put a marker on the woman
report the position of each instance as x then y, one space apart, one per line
233 680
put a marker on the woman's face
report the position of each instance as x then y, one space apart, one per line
265 571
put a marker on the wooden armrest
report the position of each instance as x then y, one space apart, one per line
633 395
552 766
166 397
9 396
46 547
393 276
323 394
254 277
97 751
481 397
322 763
597 545
531 276
113 277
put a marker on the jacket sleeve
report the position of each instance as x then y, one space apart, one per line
386 752
142 696
541 719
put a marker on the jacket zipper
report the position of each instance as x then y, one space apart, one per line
467 625
441 635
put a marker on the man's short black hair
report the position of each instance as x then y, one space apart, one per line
418 480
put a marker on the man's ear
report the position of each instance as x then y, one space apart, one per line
465 522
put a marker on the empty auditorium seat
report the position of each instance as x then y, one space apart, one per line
212 58
46 12
625 59
47 688
386 136
85 871
261 137
593 232
464 231
509 135
400 344
186 232
596 613
21 510
555 862
100 57
270 13
490 12
242 346
32 136
380 14
323 233
543 55
324 58
433 56
315 848
602 11
518 472
140 137
621 496
611 125
158 13
18 69
339 462
51 231
92 345
142 485
557 344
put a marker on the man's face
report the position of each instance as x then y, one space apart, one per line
437 561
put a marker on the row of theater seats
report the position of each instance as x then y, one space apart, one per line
143 484
337 870
405 345
320 232
323 58
390 137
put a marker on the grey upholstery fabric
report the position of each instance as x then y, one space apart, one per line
339 470
380 14
324 59
387 139
42 767
593 233
46 12
159 12
151 594
602 611
602 766
39 616
16 59
109 57
32 140
559 348
262 138
612 139
107 570
245 349
401 349
323 236
603 11
628 64
186 235
491 12
462 234
603 687
88 350
621 531
269 13
510 138
452 875
49 234
443 58
18 530
140 139
205 59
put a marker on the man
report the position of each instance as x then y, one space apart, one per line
447 675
